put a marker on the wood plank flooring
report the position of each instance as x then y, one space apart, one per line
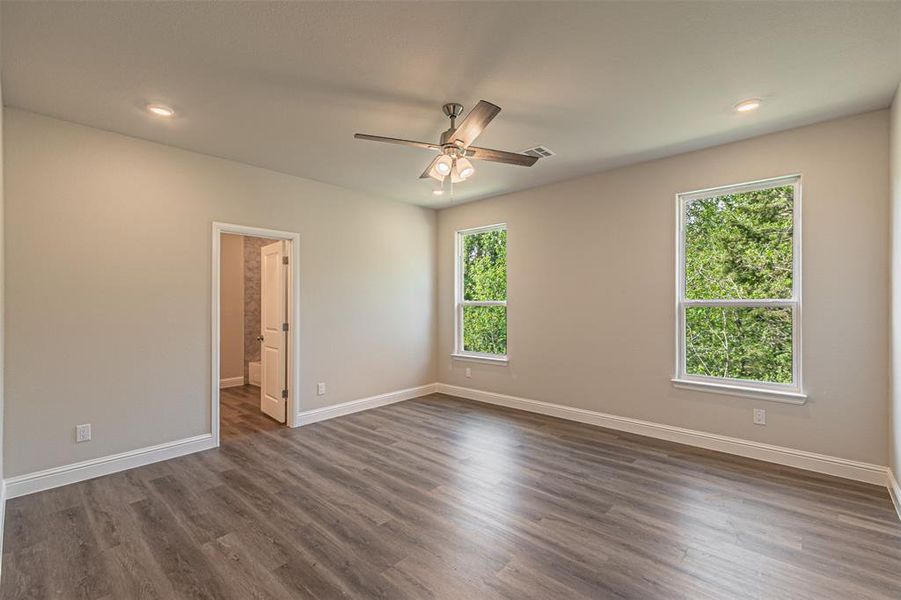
444 498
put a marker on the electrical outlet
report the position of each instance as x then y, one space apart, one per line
83 433
320 389
468 372
759 416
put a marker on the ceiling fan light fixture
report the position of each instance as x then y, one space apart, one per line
444 165
464 168
434 174
453 177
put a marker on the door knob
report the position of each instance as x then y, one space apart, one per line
260 338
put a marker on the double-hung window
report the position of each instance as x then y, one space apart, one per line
738 290
481 293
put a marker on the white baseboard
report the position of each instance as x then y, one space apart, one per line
21 485
346 408
89 469
801 459
894 491
231 382
38 481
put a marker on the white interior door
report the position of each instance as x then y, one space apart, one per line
274 321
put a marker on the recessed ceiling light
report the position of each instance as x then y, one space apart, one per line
748 105
160 110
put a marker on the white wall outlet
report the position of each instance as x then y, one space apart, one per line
760 416
320 389
468 372
83 433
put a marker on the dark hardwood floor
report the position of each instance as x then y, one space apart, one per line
445 498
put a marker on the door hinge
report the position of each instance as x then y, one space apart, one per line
285 394
284 327
284 260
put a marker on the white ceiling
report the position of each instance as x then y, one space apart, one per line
286 85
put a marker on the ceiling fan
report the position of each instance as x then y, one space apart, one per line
455 146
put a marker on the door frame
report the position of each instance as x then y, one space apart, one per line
218 229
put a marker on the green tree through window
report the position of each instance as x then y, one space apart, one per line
738 296
484 291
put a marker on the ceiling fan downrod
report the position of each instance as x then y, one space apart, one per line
453 110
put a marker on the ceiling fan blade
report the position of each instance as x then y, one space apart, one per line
389 140
428 169
510 158
477 119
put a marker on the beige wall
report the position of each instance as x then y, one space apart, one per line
113 329
591 289
590 280
2 311
231 307
895 174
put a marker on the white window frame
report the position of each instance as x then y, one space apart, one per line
459 302
788 393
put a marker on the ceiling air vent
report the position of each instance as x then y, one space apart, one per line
540 152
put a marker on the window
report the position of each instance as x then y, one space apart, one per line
481 293
739 290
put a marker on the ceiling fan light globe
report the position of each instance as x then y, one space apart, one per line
464 168
444 165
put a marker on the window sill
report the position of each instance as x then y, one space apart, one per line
493 360
784 397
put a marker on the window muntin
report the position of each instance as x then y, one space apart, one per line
738 296
481 292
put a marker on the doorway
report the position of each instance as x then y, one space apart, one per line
255 327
